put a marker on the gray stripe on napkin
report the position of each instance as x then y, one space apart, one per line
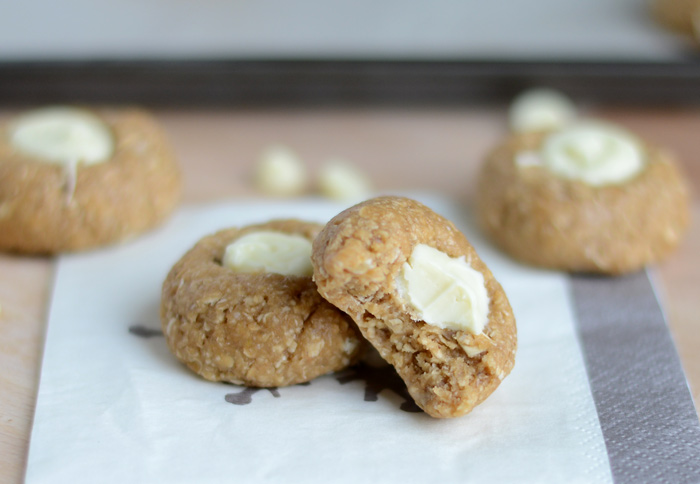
646 413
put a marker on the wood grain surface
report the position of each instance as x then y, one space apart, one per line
428 149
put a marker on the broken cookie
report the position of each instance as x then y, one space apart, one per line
420 294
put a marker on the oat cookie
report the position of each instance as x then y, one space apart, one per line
681 16
73 179
260 329
374 260
549 218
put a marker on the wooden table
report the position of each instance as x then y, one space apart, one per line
399 149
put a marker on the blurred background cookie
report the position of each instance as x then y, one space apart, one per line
420 294
588 197
73 179
241 307
681 16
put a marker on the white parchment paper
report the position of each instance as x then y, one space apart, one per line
115 406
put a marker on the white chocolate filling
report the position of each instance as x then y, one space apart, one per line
280 172
63 135
444 291
593 152
269 251
540 110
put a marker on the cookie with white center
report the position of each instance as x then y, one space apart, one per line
589 197
422 297
241 307
74 179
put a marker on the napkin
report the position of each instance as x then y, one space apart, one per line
582 404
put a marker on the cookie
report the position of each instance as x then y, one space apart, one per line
230 317
422 297
588 198
681 16
74 179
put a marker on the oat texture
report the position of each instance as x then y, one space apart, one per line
542 219
262 329
44 208
357 258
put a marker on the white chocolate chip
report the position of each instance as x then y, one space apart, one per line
444 291
593 152
280 172
268 251
539 110
342 181
63 135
